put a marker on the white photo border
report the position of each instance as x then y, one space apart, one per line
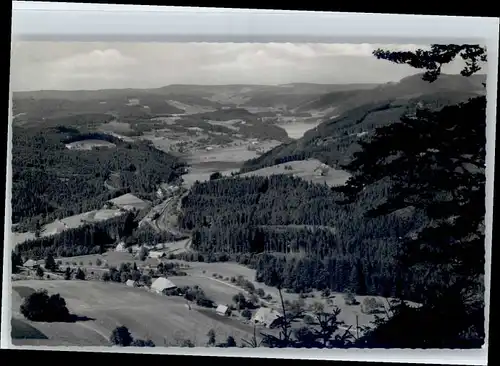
91 23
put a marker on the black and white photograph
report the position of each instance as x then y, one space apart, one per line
325 195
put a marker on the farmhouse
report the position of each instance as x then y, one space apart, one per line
161 284
130 283
223 310
157 255
121 247
267 317
30 263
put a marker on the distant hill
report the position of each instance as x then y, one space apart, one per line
216 96
409 87
335 140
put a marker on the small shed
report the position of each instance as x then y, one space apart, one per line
223 310
162 283
130 283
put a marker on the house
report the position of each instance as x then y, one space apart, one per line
223 310
31 264
162 283
322 170
121 247
135 248
157 255
130 283
267 317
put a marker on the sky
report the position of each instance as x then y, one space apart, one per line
88 65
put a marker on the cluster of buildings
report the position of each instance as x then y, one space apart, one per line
266 317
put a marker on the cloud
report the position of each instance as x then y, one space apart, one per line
251 60
79 65
96 59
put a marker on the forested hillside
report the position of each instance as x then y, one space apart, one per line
92 238
50 181
330 245
333 142
411 86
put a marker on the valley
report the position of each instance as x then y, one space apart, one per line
226 191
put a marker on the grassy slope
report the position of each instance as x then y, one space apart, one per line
162 319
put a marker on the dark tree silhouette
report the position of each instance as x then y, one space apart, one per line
433 161
230 342
80 274
17 261
39 306
67 273
50 263
438 55
211 337
142 343
39 272
216 175
121 336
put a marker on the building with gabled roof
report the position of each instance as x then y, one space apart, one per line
223 310
30 263
121 247
162 283
130 283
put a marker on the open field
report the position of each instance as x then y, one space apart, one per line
89 144
305 169
112 258
129 201
237 152
221 159
231 154
222 290
201 273
165 320
202 172
190 108
217 291
66 223
176 247
117 127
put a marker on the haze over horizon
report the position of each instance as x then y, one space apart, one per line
96 66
